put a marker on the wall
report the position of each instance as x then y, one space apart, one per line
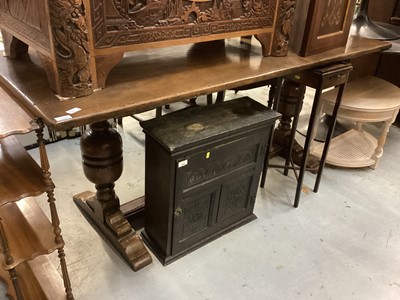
381 10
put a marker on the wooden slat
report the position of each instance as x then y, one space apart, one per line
28 231
20 176
38 279
13 119
352 149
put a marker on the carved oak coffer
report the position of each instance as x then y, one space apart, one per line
202 171
79 41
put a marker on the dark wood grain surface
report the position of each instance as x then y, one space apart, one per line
147 79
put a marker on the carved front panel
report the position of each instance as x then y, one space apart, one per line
326 25
333 16
234 197
128 22
217 168
194 218
28 19
196 215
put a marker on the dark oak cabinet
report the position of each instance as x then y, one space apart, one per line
202 171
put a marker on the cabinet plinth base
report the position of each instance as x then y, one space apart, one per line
167 259
119 233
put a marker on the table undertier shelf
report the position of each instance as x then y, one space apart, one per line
352 149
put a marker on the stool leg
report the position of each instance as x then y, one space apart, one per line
158 111
273 94
296 117
310 130
220 97
329 137
209 99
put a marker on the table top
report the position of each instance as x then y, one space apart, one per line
148 79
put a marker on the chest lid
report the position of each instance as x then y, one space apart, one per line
186 127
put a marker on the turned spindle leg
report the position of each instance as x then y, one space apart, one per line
101 148
44 161
382 140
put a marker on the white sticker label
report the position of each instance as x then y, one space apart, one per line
73 110
182 163
63 118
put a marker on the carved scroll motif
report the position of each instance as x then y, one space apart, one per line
236 197
128 22
216 168
283 27
71 47
333 16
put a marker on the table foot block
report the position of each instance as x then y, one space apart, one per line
116 230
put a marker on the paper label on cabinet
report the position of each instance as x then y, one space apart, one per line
182 163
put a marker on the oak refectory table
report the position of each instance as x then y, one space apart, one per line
146 80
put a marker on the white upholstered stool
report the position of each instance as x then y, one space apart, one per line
369 99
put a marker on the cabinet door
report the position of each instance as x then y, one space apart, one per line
326 25
236 199
212 189
203 215
194 218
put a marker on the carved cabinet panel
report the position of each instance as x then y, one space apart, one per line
202 177
131 22
80 41
326 26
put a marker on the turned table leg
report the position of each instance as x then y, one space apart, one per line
290 105
101 148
